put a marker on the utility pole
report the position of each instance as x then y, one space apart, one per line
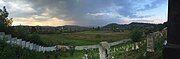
172 48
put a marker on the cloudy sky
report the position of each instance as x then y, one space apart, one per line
85 12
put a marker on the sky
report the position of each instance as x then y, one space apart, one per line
85 12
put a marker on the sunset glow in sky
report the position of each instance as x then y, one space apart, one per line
85 12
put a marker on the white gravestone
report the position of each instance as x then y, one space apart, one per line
104 51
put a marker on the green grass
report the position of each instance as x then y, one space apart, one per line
83 38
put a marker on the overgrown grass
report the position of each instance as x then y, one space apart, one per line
83 38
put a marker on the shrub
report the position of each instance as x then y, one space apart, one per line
136 35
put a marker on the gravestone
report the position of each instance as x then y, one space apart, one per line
31 46
18 42
34 46
43 50
104 51
23 44
37 47
7 37
40 48
2 34
27 44
150 43
13 40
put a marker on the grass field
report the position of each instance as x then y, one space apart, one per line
83 38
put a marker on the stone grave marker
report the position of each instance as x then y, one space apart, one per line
104 51
150 43
23 44
31 46
27 44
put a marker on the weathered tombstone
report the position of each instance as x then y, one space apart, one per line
104 51
150 43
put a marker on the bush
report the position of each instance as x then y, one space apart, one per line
136 35
35 38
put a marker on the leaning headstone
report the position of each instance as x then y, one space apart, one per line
150 43
104 50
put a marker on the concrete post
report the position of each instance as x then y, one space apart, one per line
104 51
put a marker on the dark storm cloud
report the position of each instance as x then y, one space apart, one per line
77 10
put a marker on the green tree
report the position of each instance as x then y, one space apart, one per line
136 35
5 23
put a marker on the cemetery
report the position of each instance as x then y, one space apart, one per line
134 40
